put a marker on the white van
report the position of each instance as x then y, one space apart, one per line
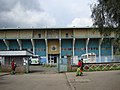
35 59
89 58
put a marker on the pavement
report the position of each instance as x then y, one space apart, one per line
101 80
3 74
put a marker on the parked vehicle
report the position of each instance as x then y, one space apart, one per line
35 59
89 58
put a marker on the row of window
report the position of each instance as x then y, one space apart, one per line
63 49
66 49
40 49
66 35
107 48
90 48
78 49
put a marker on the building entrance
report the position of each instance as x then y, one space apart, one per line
52 64
53 59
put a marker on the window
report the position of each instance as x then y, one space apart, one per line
39 35
107 48
44 49
82 48
103 48
91 48
69 48
66 34
96 48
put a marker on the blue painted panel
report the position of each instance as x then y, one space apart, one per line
13 44
97 59
63 53
40 47
2 45
106 59
43 60
106 49
26 44
93 46
66 47
80 47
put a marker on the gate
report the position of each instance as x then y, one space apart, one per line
62 65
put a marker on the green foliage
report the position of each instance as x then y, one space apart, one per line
106 16
106 13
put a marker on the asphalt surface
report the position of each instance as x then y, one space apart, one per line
42 69
102 80
34 82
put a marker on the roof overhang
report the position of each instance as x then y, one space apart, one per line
15 53
49 28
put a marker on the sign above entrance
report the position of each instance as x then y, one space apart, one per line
53 48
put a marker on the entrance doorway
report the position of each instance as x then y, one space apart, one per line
52 64
53 59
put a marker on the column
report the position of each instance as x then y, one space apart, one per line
6 43
60 43
87 42
100 42
73 46
19 43
46 50
33 45
60 47
112 49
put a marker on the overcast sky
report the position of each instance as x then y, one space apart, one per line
45 13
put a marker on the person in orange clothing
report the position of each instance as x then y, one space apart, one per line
79 72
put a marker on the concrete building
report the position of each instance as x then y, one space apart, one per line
53 44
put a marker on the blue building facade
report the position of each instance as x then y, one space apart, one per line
53 44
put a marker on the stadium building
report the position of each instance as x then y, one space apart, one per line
53 44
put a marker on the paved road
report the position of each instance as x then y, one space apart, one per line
42 70
102 80
34 82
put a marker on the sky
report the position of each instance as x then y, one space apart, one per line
45 13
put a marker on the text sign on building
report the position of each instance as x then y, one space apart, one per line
15 53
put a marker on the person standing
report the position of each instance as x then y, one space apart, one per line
78 72
13 67
82 65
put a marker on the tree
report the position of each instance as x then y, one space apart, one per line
106 16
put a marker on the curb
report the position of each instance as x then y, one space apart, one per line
3 74
68 80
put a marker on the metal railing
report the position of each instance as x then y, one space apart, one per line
102 66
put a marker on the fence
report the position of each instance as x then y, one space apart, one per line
99 66
102 66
